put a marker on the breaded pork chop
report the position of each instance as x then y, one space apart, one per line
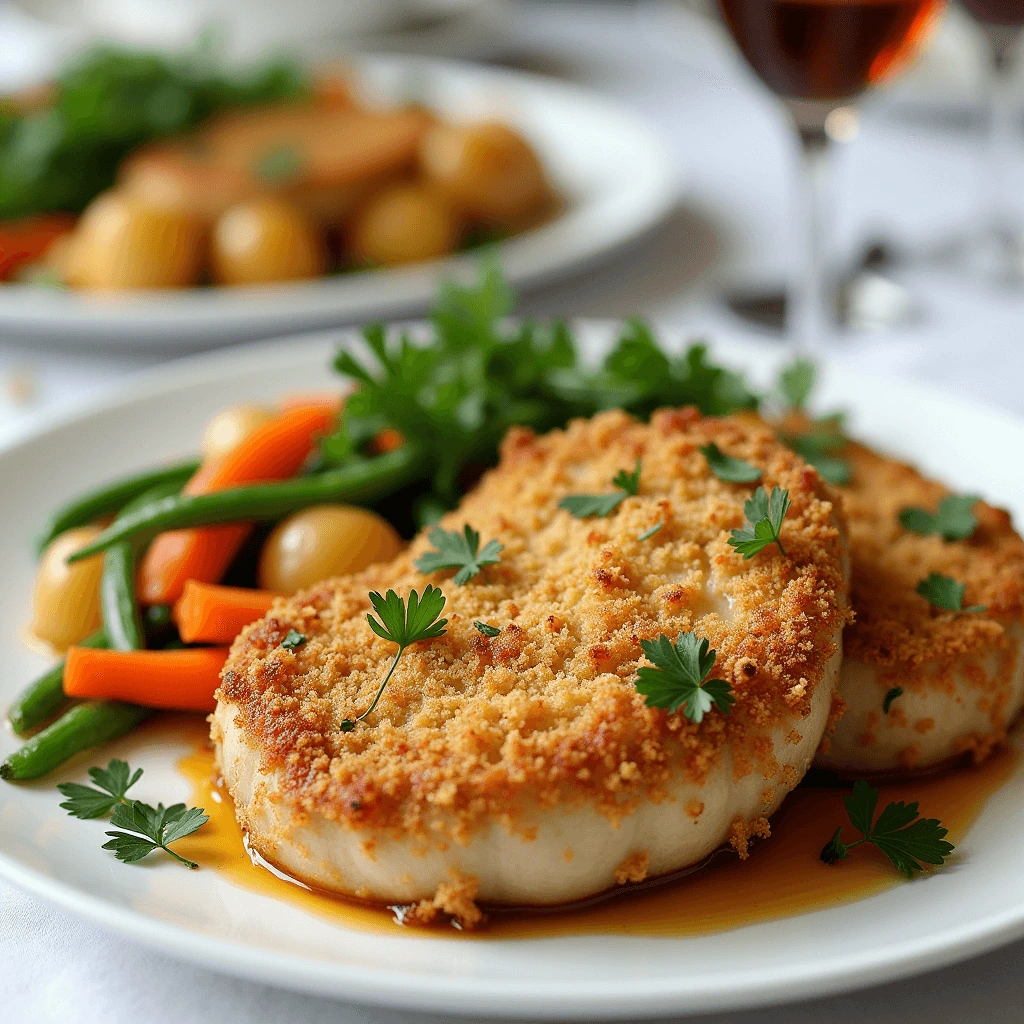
526 768
961 674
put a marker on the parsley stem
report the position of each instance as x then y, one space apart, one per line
380 691
191 864
778 540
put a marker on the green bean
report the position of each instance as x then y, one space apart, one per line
121 617
110 498
85 725
42 699
359 481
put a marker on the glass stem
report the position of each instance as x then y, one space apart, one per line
809 307
999 151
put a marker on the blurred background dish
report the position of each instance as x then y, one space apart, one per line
339 177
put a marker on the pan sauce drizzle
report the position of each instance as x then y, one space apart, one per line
782 878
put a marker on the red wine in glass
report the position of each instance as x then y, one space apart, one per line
817 55
828 49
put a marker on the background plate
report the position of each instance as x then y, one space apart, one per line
975 903
612 168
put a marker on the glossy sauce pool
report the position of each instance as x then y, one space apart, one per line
782 877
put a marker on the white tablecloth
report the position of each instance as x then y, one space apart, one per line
912 181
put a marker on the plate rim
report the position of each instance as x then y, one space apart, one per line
617 998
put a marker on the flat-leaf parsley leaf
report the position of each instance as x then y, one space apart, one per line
149 828
953 520
584 505
152 828
114 781
796 382
403 625
907 840
680 678
460 551
487 630
764 515
944 592
725 467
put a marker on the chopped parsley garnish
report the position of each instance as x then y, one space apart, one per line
890 696
279 164
680 677
148 828
293 639
796 382
944 592
725 467
488 631
764 515
954 519
908 840
402 625
647 534
584 505
460 551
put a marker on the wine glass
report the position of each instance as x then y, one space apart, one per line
1002 22
818 56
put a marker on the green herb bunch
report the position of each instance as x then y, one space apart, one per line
455 395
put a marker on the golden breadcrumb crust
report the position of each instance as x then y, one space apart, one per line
893 623
473 731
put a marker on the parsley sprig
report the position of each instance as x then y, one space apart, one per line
152 828
114 781
944 592
953 520
764 515
583 506
148 828
727 468
796 382
404 625
820 442
454 394
908 840
460 551
680 678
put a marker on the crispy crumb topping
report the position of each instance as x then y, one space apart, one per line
895 626
474 731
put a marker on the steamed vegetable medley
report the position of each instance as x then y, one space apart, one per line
183 176
143 583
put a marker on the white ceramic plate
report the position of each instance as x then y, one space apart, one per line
975 903
617 178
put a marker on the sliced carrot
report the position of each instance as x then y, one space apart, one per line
274 451
210 614
26 240
181 680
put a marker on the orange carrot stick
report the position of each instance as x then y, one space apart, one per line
210 614
274 451
182 680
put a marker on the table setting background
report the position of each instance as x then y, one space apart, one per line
912 179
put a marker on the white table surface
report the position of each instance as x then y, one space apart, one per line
904 179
